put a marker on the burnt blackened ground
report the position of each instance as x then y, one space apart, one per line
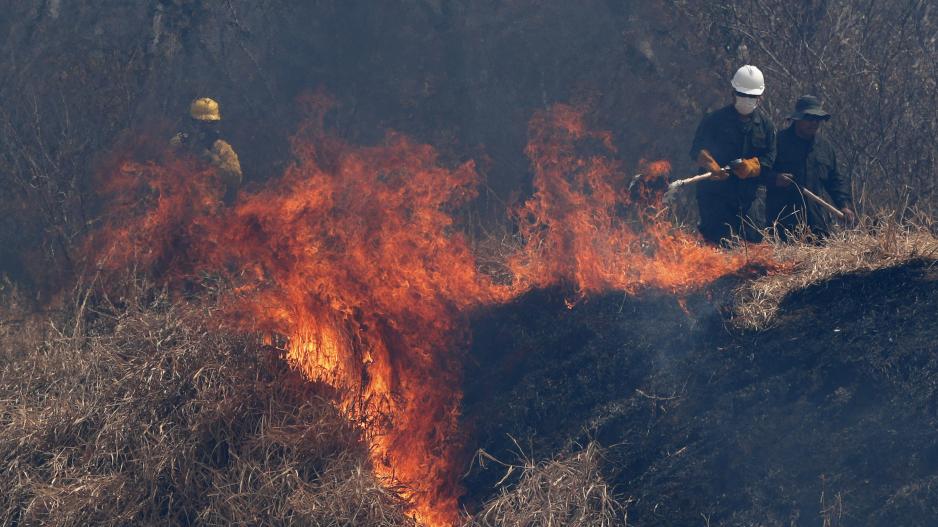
832 414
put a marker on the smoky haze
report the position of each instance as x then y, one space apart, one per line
84 82
463 76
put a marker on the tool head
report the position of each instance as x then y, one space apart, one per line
672 191
635 183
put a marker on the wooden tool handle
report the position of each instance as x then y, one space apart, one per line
682 182
820 201
817 199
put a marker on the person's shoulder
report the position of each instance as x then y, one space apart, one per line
222 145
821 140
223 150
762 117
787 133
719 115
723 112
822 144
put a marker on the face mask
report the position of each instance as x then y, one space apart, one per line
746 105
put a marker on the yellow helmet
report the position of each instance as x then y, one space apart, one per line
205 109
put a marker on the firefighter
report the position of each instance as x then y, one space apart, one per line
203 139
805 161
742 131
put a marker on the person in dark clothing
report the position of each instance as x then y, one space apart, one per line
738 131
805 161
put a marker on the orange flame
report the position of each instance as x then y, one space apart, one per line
655 169
354 258
574 228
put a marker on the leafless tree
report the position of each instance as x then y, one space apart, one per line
872 63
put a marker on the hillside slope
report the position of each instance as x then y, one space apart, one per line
831 415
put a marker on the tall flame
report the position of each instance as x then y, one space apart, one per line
583 226
353 258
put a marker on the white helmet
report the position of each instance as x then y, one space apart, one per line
749 80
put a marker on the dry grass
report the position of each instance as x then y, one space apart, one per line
143 416
567 492
879 243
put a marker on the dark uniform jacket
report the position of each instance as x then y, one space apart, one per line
724 204
813 165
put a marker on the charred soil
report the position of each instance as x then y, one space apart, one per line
828 417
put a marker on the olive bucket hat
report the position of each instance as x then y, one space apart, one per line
809 107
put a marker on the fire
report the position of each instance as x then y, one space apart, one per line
583 227
353 257
316 351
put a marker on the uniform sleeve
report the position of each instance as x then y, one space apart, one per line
227 162
767 159
837 185
701 138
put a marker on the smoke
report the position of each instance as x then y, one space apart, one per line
353 260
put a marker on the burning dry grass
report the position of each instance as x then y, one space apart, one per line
146 414
567 492
148 417
880 243
354 258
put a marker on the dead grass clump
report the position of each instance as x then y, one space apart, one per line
145 415
880 243
568 492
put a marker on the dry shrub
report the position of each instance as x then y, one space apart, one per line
880 243
145 414
568 492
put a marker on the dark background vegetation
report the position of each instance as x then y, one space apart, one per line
76 78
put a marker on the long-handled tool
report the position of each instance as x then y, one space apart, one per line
674 185
815 198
